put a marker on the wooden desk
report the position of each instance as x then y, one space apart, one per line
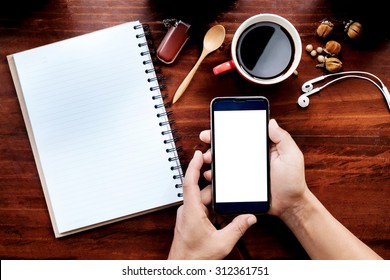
344 134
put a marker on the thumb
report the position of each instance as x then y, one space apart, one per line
236 229
276 133
281 137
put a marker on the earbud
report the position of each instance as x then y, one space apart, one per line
308 88
303 100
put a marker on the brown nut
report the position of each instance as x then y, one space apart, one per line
354 29
332 48
324 29
333 64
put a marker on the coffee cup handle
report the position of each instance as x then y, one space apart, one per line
224 67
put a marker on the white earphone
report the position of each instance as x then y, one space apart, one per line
308 89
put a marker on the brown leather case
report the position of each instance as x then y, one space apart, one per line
173 42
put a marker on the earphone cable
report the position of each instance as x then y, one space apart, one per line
357 72
383 90
352 76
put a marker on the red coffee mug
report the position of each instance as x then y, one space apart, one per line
269 44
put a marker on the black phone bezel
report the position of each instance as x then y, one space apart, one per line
239 103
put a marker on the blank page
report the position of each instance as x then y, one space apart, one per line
93 125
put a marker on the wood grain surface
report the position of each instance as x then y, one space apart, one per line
344 133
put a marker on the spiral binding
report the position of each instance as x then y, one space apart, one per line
156 88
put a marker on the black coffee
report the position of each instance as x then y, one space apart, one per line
265 50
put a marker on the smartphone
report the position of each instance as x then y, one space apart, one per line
240 155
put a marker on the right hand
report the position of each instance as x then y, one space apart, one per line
288 182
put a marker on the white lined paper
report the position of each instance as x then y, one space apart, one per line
93 127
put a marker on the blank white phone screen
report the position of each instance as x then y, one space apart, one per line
240 155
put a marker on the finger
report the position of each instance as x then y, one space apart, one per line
205 136
205 195
236 229
207 157
208 175
191 178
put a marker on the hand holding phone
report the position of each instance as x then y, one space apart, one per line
240 152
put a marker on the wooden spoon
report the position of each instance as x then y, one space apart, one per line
212 41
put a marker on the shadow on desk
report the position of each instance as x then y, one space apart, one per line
199 13
19 8
372 15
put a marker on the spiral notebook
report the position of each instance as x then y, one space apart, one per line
99 128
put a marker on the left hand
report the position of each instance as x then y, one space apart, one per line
195 236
